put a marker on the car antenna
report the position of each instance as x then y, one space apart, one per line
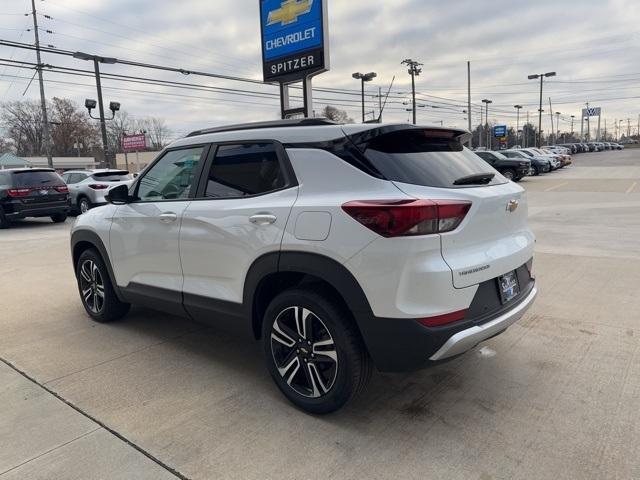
386 98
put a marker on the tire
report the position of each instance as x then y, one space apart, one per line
534 170
93 277
84 205
4 223
314 382
509 174
59 217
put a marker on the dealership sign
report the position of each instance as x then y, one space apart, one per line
591 112
500 131
134 143
295 42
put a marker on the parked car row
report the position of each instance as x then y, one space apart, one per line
41 192
590 147
515 164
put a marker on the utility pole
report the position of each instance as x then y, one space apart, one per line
46 140
541 76
628 128
557 126
414 71
517 107
469 99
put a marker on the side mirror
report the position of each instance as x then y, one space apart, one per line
118 195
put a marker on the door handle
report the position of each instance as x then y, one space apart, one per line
168 217
263 219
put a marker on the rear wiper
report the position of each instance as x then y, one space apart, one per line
477 179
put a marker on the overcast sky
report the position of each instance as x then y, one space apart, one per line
592 45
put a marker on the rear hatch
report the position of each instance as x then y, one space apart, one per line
494 238
38 187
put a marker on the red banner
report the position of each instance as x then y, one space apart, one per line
132 143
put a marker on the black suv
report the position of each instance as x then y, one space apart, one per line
510 168
32 192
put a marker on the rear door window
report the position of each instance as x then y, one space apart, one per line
36 179
430 158
245 170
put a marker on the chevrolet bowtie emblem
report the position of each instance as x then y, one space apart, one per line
289 11
512 206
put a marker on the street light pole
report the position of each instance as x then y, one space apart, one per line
572 118
97 60
517 107
557 126
541 76
364 77
486 118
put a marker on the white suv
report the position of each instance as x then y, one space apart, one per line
340 247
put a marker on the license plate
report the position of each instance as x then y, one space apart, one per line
508 285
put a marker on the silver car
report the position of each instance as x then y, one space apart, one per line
89 187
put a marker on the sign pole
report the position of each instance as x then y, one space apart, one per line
137 161
126 161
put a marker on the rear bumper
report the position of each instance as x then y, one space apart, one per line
18 210
401 345
469 338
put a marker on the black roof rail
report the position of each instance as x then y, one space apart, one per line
300 122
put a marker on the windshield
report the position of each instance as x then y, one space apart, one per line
419 157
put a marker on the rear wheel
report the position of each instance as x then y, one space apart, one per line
96 290
313 351
59 217
4 223
84 205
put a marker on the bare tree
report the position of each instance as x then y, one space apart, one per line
157 131
72 130
121 125
23 123
335 114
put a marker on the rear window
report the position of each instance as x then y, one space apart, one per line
421 157
35 179
112 176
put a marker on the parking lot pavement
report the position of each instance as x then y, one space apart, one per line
555 396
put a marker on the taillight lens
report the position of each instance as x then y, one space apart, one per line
441 320
18 192
98 186
62 189
402 218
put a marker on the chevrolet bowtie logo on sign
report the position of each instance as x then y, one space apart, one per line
289 12
294 41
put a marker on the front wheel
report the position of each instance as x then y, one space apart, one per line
534 171
313 351
96 290
509 174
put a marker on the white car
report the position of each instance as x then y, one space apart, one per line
88 188
339 247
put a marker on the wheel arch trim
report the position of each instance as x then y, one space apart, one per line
91 238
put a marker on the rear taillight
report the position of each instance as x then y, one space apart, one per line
441 320
98 186
402 218
62 189
18 192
